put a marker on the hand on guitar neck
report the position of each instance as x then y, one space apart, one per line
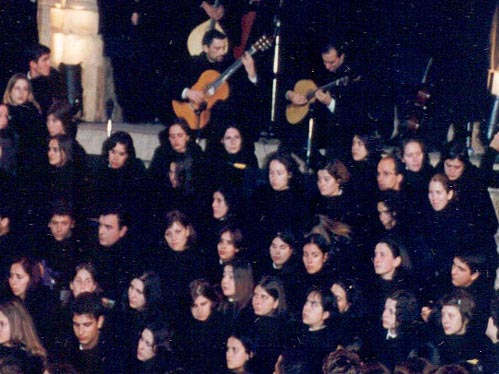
197 97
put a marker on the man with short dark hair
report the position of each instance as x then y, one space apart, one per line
390 174
242 100
48 84
116 256
61 250
340 111
93 353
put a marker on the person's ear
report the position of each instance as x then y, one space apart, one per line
123 231
475 275
325 315
100 322
397 261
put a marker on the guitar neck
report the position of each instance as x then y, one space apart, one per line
211 26
230 70
326 87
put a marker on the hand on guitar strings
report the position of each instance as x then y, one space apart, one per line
215 13
296 98
196 97
249 64
324 97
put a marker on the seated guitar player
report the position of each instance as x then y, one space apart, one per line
242 93
340 111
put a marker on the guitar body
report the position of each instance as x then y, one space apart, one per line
187 110
296 113
195 39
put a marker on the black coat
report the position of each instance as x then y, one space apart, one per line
125 186
270 335
275 211
201 345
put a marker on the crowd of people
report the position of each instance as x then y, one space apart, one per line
368 262
206 263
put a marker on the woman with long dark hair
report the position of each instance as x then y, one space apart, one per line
142 304
178 260
201 345
179 155
25 284
280 205
120 177
268 324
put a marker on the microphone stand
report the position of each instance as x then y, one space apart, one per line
275 68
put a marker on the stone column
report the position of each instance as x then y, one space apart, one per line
70 28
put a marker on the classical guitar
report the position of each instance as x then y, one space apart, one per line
195 39
296 113
215 87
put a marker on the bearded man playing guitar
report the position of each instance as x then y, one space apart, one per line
242 93
340 114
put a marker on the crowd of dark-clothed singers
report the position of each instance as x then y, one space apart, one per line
206 263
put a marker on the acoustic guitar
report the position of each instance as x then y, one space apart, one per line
215 88
195 39
296 113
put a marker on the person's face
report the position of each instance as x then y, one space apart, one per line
313 314
109 230
413 156
215 52
5 335
341 298
263 303
55 155
40 67
491 331
172 175
278 176
328 185
387 178
385 216
136 297
118 156
453 168
18 280
87 329
60 227
219 206
146 349
178 138
452 321
332 61
232 140
201 308
55 126
226 248
20 92
313 258
83 282
359 150
438 195
228 284
384 262
461 273
4 116
280 252
236 355
389 316
176 236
